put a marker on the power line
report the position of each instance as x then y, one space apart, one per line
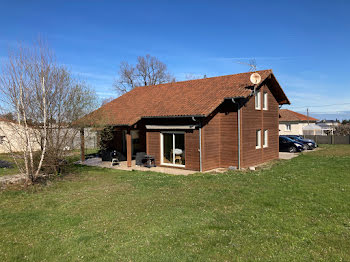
321 105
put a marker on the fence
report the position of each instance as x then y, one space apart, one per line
91 139
335 140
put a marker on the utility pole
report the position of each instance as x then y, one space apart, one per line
307 110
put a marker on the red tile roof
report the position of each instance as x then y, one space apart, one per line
289 116
187 98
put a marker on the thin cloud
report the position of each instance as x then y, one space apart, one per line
106 94
3 59
188 76
334 107
94 75
331 115
256 58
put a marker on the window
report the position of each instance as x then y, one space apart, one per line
173 148
258 139
265 101
2 139
135 142
266 135
257 100
288 127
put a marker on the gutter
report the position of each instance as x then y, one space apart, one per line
239 136
238 132
200 149
200 143
184 116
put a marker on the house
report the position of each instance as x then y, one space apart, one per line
293 123
332 123
328 126
12 136
199 125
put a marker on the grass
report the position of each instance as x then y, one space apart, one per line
8 171
73 156
298 210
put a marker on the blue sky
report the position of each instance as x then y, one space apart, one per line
306 43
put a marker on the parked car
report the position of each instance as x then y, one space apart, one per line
311 144
289 145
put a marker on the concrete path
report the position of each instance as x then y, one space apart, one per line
287 155
97 161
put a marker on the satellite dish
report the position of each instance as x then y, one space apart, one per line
255 78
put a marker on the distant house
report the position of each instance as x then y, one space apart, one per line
199 124
293 123
328 126
329 122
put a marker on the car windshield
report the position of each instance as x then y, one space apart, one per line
288 139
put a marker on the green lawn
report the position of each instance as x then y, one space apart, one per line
8 171
298 210
73 156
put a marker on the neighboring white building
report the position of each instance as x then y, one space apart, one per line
293 123
12 137
328 126
313 130
332 123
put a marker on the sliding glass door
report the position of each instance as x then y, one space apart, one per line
167 146
173 148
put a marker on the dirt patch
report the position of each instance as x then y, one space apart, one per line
10 180
20 180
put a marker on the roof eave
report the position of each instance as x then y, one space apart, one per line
297 121
284 101
173 116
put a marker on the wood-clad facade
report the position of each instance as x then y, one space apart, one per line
253 120
219 136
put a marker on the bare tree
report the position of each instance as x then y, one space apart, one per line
342 129
8 116
46 100
149 70
107 100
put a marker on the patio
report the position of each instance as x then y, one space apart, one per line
97 161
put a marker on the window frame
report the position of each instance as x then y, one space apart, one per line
265 101
258 139
290 127
162 147
257 100
265 138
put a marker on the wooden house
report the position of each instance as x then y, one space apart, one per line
199 125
